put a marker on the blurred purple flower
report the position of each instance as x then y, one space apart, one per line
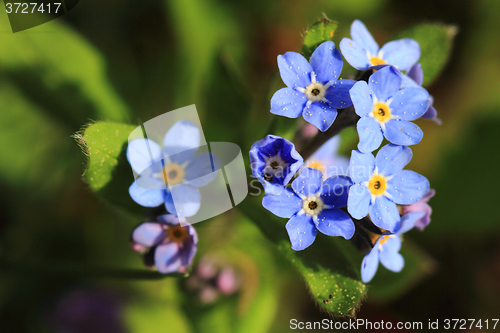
87 311
421 206
214 278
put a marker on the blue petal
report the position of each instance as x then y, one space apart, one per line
183 136
385 214
302 231
338 93
361 97
431 113
389 256
370 134
202 169
335 191
362 37
392 159
407 187
370 264
142 153
326 62
284 204
402 53
408 83
187 254
148 234
416 74
288 102
354 54
408 221
308 182
358 202
334 222
410 103
385 83
402 132
361 166
149 181
184 201
295 70
167 259
146 197
320 115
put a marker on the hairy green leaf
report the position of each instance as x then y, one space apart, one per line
108 173
320 32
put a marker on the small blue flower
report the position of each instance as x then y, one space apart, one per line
313 90
313 205
385 110
381 183
171 172
414 78
363 52
326 159
274 161
386 249
171 246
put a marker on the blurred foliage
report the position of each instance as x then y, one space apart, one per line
127 62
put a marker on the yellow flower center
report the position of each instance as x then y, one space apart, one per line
173 174
377 185
177 233
377 61
317 165
381 112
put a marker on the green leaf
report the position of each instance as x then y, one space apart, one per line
436 41
320 32
108 172
61 72
329 266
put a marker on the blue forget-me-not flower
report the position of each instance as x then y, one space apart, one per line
414 78
173 168
274 161
385 110
313 89
362 51
313 205
386 249
381 183
171 245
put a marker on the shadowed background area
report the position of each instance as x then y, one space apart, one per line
130 61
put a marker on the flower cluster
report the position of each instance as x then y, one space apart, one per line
174 170
384 101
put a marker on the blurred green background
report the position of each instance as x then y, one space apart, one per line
130 61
